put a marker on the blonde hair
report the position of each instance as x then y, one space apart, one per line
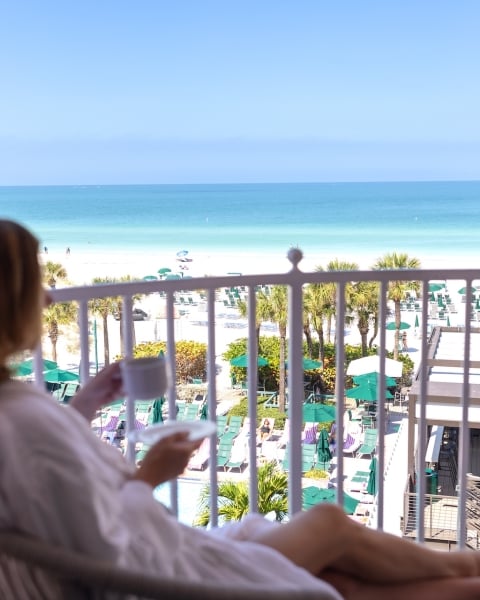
21 298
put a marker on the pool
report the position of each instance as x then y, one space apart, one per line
188 496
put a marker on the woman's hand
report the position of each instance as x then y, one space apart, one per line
166 459
102 389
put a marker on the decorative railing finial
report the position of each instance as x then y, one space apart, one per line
295 255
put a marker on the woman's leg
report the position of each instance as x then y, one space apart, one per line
467 588
324 537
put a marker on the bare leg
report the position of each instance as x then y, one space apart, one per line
325 538
467 588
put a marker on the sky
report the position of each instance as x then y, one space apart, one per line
215 91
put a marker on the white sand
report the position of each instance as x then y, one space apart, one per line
82 268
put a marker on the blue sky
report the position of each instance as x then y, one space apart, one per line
187 91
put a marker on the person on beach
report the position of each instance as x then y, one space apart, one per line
62 484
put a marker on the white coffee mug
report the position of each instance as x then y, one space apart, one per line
145 378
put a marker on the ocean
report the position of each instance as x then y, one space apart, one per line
342 219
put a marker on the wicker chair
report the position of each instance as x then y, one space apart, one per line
33 570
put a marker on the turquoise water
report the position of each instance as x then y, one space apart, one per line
417 218
188 497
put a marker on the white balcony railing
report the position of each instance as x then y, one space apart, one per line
295 280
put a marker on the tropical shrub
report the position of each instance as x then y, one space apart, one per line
191 357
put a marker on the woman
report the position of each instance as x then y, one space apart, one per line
64 485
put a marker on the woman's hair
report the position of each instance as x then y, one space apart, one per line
21 300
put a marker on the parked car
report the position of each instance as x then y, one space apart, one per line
137 315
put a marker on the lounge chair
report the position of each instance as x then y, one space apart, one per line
351 444
238 455
221 425
34 570
309 434
308 458
309 455
199 460
369 443
223 454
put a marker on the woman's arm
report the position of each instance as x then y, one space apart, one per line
102 389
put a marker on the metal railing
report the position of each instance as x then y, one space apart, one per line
295 280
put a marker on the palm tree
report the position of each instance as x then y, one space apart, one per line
338 265
276 309
104 307
316 301
119 310
398 288
233 499
364 303
53 272
63 313
261 313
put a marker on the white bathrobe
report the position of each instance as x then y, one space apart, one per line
61 483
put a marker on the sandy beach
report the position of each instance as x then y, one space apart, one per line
83 267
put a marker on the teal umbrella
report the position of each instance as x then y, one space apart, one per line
308 364
435 287
417 323
372 478
448 321
60 375
164 271
463 290
313 495
150 278
318 413
324 455
242 361
204 412
27 367
157 416
372 378
366 391
391 326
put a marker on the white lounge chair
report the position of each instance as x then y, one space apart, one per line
34 570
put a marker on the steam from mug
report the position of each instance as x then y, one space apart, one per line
144 378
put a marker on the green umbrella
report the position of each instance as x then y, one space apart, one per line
150 278
313 495
448 321
366 391
372 378
372 478
417 323
318 413
157 416
242 361
27 367
164 271
435 287
60 375
463 290
204 412
308 364
392 326
324 455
